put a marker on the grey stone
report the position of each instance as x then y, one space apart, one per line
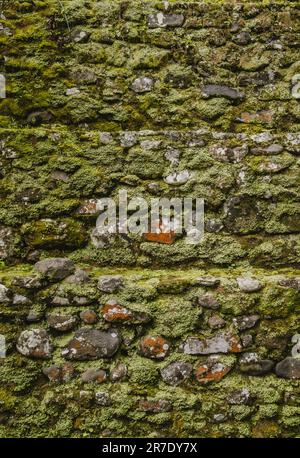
274 149
218 90
247 340
58 300
39 117
165 20
173 156
33 282
106 138
4 294
175 373
102 398
208 301
110 283
35 343
59 175
19 299
248 285
207 281
6 242
118 373
62 322
80 276
34 316
245 322
178 178
288 368
213 225
55 268
239 397
92 344
252 364
142 84
128 139
216 322
221 343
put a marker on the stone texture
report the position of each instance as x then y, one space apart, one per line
110 283
92 344
62 322
89 316
288 368
55 269
248 285
112 312
252 364
154 347
216 90
176 373
142 84
208 301
212 370
35 343
165 20
221 343
94 375
118 373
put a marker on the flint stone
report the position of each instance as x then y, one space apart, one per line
55 268
246 322
248 285
92 344
142 84
288 368
110 283
35 343
165 20
175 373
216 90
221 343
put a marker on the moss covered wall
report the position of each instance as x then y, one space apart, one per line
172 99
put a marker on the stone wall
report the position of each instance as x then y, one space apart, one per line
148 336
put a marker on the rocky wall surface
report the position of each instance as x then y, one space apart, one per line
122 335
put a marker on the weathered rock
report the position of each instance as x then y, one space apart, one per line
19 299
128 139
217 90
216 322
175 373
245 322
293 282
154 406
208 301
288 368
239 397
89 316
154 347
94 375
118 373
53 373
56 373
32 282
55 268
62 322
72 91
102 398
92 344
110 283
5 295
207 281
251 364
178 178
248 285
221 343
165 20
79 277
115 313
142 84
35 343
212 370
34 316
